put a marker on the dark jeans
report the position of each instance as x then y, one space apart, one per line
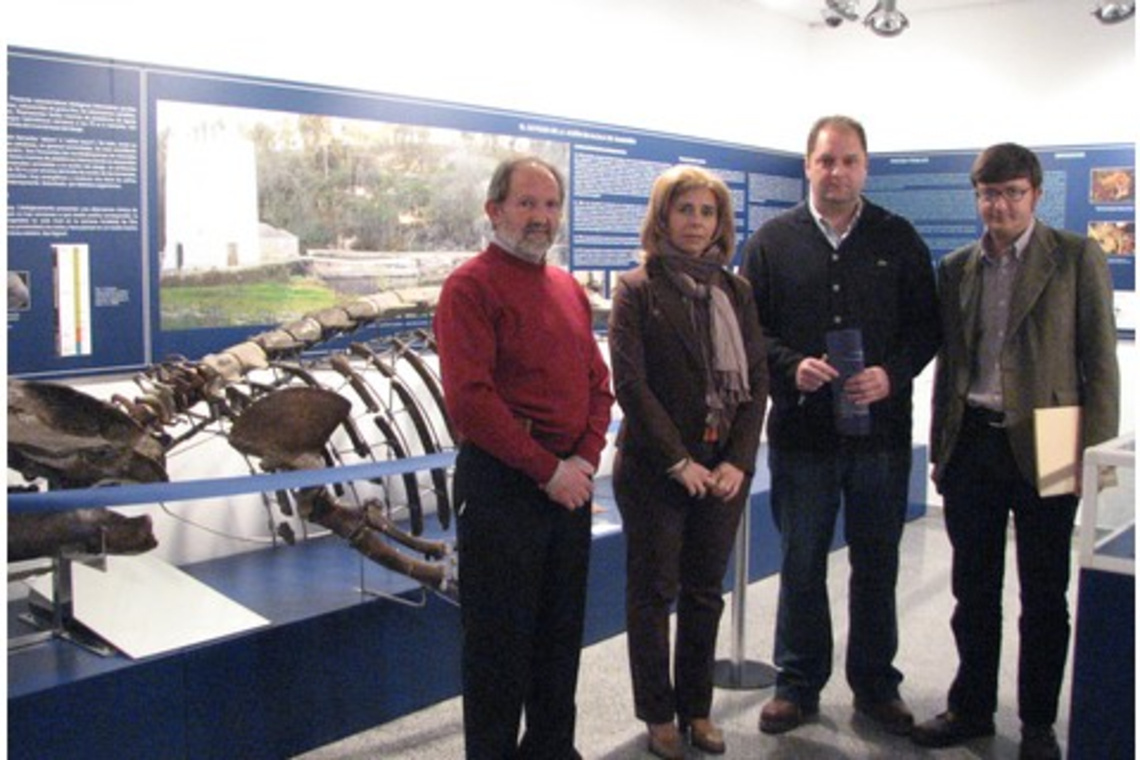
677 550
808 489
523 568
980 487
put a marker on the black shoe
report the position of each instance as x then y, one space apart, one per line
892 715
949 729
1039 743
781 715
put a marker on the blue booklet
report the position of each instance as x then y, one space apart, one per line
845 353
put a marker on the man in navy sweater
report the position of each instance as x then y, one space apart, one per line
839 262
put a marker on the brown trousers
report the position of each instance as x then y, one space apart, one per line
677 551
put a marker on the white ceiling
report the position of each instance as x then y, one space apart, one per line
808 11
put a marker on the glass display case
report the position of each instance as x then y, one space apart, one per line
1108 506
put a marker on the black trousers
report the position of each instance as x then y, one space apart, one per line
523 568
981 486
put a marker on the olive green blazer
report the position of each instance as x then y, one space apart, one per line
1060 347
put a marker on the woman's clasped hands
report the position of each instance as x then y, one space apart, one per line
722 482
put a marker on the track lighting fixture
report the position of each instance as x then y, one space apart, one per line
1112 13
838 11
885 19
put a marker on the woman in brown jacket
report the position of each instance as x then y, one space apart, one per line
689 372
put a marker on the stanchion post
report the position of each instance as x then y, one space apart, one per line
738 672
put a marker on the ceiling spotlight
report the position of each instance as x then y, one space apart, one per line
886 20
848 10
1113 13
831 18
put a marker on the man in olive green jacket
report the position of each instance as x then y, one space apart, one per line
1027 322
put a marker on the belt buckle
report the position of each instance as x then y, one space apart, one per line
988 417
995 420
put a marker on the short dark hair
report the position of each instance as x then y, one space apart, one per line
1004 162
842 122
500 186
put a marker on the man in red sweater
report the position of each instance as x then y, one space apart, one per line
528 393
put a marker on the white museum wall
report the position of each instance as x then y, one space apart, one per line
1040 72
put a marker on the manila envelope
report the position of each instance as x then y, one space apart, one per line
1057 436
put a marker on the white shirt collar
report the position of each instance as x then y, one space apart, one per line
834 237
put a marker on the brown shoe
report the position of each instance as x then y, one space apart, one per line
893 716
705 736
665 741
781 715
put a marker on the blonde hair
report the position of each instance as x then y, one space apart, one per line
667 187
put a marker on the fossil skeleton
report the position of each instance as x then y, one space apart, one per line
277 407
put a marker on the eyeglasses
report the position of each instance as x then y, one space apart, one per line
1010 194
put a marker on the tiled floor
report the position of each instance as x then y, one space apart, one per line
607 729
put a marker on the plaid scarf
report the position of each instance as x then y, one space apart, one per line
701 283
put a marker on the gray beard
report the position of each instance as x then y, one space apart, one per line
531 252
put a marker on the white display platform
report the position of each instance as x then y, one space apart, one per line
144 606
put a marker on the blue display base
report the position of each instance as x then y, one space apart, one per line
333 662
1102 719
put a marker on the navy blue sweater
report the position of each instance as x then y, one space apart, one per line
880 280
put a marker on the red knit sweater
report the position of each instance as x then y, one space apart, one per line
516 343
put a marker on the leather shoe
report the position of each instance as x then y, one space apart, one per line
948 729
892 715
665 741
781 715
1039 743
705 736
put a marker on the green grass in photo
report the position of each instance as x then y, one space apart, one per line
235 304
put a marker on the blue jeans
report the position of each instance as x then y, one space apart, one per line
808 489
